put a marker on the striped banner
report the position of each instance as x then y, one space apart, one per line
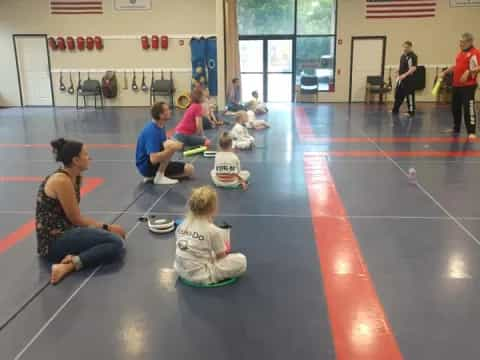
76 7
395 9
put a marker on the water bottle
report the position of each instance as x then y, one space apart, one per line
412 175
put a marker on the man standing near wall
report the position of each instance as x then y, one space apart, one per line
405 84
464 86
235 96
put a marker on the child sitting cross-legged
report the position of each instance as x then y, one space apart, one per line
256 105
201 253
241 138
254 123
227 171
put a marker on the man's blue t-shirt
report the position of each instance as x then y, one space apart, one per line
149 141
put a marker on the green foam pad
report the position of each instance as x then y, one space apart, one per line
214 285
195 151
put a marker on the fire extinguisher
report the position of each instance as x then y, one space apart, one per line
61 43
80 43
331 86
70 43
155 42
98 43
145 43
52 43
90 43
164 41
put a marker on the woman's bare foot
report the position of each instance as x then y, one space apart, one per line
59 271
67 260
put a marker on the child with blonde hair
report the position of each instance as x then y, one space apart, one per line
254 123
241 138
227 171
201 247
210 120
257 105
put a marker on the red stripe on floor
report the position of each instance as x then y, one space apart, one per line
407 154
302 124
170 133
430 140
19 234
28 228
360 327
18 179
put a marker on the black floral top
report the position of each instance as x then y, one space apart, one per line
51 221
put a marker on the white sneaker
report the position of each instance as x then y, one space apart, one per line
163 180
147 179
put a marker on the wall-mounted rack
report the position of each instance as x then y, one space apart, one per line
138 37
121 70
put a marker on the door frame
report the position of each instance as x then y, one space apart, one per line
379 37
265 39
45 36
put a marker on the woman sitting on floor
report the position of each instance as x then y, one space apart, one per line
189 130
65 237
210 120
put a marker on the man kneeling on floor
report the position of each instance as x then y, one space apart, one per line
154 150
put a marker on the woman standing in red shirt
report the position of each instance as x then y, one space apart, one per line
464 86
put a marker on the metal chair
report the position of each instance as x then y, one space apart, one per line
90 88
376 86
162 88
309 86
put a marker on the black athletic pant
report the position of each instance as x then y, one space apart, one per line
404 90
464 98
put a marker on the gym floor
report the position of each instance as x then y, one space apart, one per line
347 258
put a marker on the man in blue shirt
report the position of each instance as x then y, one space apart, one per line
235 97
154 151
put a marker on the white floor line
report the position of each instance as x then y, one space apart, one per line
426 192
60 309
395 217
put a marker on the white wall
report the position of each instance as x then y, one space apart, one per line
435 40
175 17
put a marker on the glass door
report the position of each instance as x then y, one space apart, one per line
266 66
279 70
251 68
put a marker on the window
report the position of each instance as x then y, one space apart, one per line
251 67
265 17
316 17
315 51
315 58
267 28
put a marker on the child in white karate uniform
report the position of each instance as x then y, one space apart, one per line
255 123
201 256
256 105
241 138
227 171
